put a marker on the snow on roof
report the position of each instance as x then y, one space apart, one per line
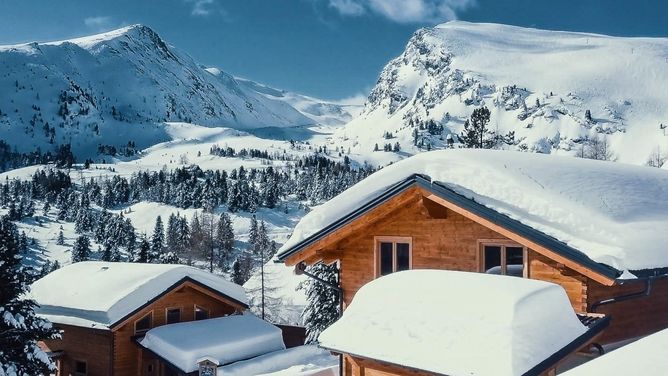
646 357
456 323
98 294
226 339
616 214
300 360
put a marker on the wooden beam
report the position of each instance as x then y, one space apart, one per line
522 240
433 209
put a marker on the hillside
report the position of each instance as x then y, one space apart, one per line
117 87
539 84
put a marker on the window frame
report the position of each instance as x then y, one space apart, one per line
173 309
394 240
208 312
142 331
76 362
503 244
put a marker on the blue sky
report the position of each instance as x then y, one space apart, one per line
332 49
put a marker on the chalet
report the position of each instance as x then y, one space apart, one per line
467 324
598 229
104 309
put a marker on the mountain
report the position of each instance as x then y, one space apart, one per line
319 110
555 90
120 86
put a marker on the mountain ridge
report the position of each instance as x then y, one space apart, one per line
120 86
540 84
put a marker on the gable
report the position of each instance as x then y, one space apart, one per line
184 294
418 188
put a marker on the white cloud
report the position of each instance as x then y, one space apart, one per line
205 8
404 11
347 7
99 22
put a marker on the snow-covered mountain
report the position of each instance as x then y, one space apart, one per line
321 111
540 84
119 86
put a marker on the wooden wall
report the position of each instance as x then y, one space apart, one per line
438 243
83 344
631 318
128 356
575 284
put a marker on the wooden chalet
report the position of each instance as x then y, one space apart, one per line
103 308
491 212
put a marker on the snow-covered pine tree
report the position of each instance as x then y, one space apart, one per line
157 241
61 239
20 328
253 235
322 307
172 234
224 240
241 268
81 250
143 252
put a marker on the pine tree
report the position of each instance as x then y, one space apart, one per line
241 269
143 252
475 133
224 240
20 328
81 250
157 241
253 234
61 238
322 307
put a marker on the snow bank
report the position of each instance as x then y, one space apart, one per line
481 324
98 294
614 213
645 357
226 339
301 360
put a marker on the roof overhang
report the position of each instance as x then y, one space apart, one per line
512 228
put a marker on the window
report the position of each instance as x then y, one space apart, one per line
505 259
201 313
393 254
144 324
173 315
80 368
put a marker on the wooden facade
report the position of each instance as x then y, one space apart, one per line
114 351
445 236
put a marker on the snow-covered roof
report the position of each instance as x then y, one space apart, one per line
646 357
615 214
225 339
99 294
456 323
296 361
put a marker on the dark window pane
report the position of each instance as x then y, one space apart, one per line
492 263
173 316
201 313
403 256
80 368
515 261
143 324
385 258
